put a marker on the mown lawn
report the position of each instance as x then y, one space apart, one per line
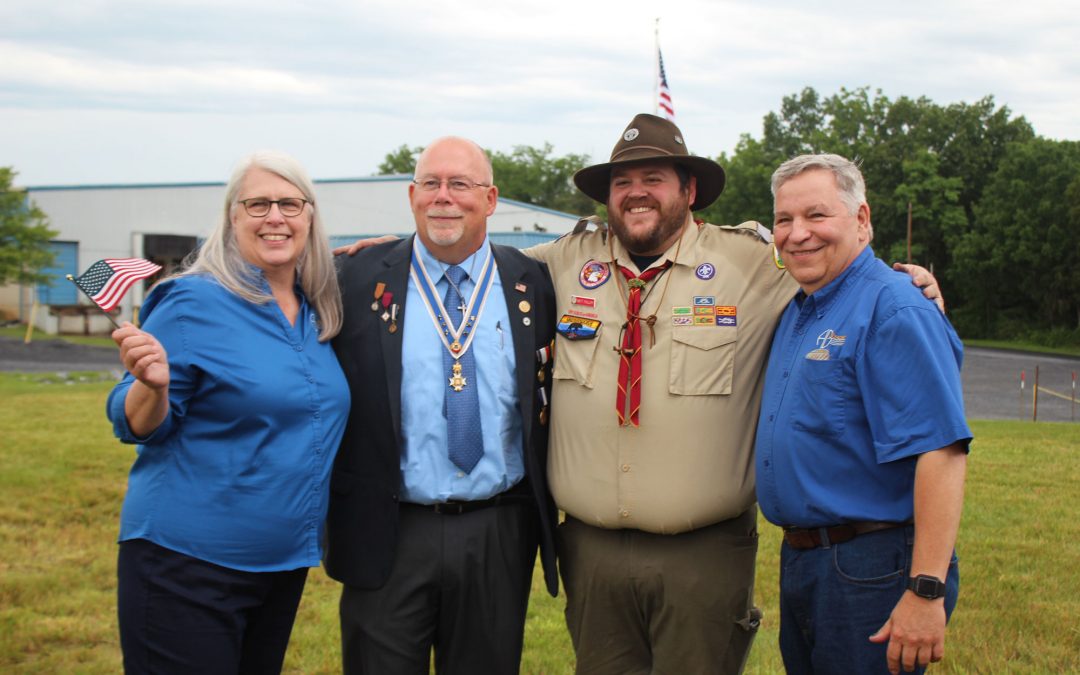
62 479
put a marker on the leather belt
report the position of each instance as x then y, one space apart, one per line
807 538
456 508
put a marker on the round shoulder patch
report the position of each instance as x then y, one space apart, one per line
630 134
705 271
593 274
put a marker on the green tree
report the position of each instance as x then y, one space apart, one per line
532 175
400 161
1017 264
24 236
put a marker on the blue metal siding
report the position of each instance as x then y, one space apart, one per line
61 291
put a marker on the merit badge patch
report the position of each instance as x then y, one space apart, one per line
705 271
593 274
577 328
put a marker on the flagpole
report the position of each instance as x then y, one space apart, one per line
107 315
656 69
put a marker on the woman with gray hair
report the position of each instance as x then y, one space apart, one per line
237 403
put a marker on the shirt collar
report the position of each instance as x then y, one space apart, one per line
431 263
827 294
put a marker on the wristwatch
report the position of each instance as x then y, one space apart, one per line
926 586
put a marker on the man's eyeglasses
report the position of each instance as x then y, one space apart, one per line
257 207
452 184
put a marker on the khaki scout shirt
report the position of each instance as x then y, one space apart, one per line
689 464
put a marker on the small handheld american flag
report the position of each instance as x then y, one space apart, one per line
106 281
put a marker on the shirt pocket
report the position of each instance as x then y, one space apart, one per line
820 409
702 360
574 359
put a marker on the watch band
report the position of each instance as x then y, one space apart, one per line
926 586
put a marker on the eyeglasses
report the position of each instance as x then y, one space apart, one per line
257 207
452 184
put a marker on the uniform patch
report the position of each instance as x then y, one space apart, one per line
582 313
704 300
704 310
705 271
682 320
582 300
682 310
725 310
577 328
593 274
818 355
704 320
725 320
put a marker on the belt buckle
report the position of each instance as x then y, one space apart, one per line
450 508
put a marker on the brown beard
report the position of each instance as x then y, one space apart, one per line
671 220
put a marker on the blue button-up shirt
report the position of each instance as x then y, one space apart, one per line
863 376
428 475
237 473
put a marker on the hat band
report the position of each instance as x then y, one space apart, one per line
639 149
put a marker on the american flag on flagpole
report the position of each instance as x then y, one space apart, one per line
108 280
664 106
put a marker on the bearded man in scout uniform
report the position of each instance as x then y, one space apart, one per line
653 412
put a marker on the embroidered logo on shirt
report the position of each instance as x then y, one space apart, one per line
829 338
818 355
593 274
705 271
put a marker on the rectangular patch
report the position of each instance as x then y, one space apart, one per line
725 310
704 300
704 321
583 313
704 310
577 328
681 310
725 321
682 321
582 300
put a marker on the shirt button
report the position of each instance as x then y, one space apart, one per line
766 462
624 513
785 373
771 418
625 468
460 474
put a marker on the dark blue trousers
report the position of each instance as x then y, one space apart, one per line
180 614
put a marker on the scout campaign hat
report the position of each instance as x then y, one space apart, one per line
648 138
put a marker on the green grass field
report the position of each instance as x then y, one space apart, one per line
62 478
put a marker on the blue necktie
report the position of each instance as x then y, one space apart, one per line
461 408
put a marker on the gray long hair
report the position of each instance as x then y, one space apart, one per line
219 256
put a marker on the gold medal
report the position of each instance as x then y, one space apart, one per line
524 305
543 416
455 347
540 376
457 380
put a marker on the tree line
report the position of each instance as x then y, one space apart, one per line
995 208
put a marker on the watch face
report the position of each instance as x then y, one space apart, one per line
926 586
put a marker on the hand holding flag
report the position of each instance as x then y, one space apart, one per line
106 281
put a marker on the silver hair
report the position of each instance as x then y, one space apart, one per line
849 179
220 257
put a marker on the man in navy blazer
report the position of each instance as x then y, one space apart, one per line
437 508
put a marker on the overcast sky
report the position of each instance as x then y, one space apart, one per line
146 91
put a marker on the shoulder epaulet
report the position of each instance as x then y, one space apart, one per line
583 224
752 228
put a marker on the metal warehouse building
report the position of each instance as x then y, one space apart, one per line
164 222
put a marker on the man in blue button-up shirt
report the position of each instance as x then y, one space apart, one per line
862 442
436 551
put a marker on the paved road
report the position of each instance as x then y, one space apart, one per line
992 385
991 377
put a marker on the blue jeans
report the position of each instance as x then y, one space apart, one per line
833 598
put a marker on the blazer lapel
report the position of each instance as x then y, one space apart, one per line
396 277
512 276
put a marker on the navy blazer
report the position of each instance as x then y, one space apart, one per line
362 525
